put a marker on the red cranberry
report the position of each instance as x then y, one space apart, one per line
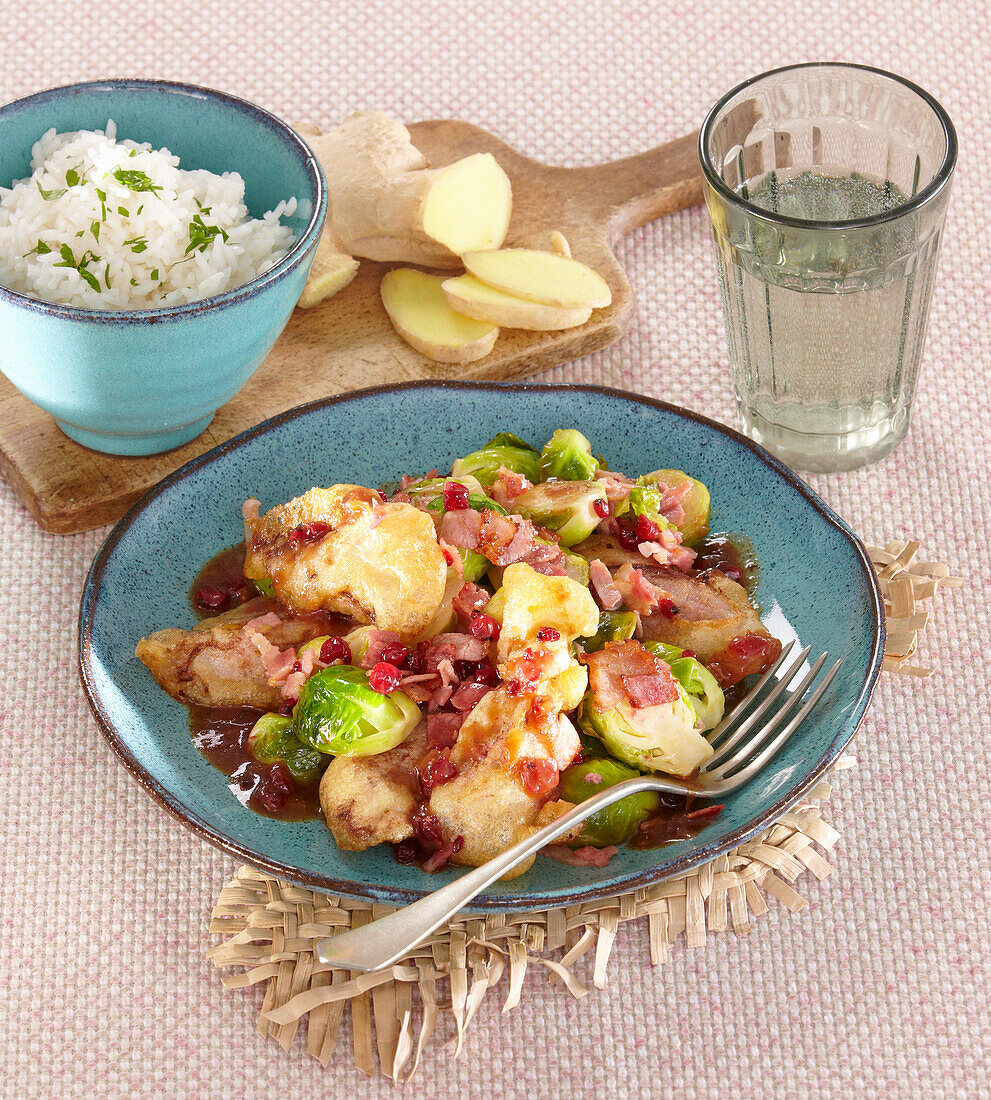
486 674
464 670
286 709
457 844
413 661
436 772
427 829
628 538
484 626
668 608
601 508
211 597
234 586
448 556
335 649
647 530
548 634
455 496
384 677
406 852
689 653
297 666
539 777
395 653
273 788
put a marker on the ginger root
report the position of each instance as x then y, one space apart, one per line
546 277
420 314
384 203
467 295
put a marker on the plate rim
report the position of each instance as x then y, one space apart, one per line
398 895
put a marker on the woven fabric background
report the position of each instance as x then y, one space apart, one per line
881 990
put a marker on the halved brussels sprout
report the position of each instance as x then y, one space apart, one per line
695 503
575 566
473 564
567 456
704 693
614 626
504 449
616 823
272 738
566 507
339 713
661 738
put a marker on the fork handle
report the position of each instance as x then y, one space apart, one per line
389 939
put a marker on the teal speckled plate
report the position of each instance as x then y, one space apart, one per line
816 583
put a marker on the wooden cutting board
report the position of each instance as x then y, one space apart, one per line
347 342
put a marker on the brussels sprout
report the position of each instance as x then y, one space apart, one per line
264 586
575 566
614 626
272 738
339 713
695 503
504 449
473 564
566 507
567 456
616 823
661 738
704 693
495 607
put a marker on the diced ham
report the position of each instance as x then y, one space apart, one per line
470 598
637 592
580 857
505 539
671 497
442 729
626 672
293 683
508 486
467 695
462 528
377 641
546 559
682 558
278 665
441 695
602 584
651 690
617 486
452 647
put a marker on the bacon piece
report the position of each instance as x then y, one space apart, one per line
442 729
467 695
600 578
461 528
439 858
508 486
278 664
505 539
452 557
377 641
671 497
580 857
262 623
638 593
452 647
470 598
441 695
650 691
623 671
293 683
546 559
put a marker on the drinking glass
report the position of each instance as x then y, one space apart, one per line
827 187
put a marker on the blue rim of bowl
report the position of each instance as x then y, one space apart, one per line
307 239
503 902
929 192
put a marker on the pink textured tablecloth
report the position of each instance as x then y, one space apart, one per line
882 988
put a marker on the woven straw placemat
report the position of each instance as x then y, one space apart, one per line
271 926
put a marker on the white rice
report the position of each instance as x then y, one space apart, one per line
136 248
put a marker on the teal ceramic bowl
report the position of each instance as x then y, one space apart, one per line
816 584
136 382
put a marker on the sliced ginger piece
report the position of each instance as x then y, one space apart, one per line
472 298
544 277
421 315
330 272
468 205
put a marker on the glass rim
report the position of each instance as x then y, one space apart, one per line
931 189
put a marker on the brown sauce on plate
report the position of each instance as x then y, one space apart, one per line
222 575
221 735
733 555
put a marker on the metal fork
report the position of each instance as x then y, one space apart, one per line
735 761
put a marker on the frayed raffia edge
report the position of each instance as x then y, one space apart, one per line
272 926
